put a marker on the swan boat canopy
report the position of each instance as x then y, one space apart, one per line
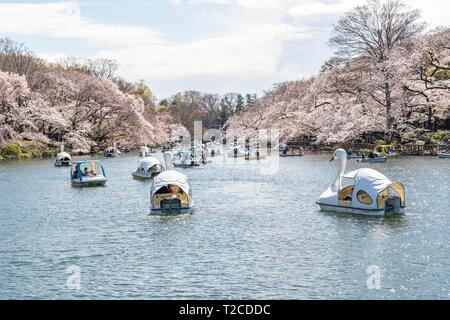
186 158
148 168
171 194
63 159
364 191
88 174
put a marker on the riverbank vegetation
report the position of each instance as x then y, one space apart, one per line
389 82
79 102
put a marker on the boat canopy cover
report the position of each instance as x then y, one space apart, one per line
63 155
372 183
148 163
171 177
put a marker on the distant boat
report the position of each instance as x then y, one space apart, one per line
112 152
88 174
385 151
147 169
364 191
183 158
63 159
444 155
373 160
286 151
213 149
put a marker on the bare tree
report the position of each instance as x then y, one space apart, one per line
372 31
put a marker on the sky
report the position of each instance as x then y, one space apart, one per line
215 46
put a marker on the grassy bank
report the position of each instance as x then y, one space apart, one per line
27 150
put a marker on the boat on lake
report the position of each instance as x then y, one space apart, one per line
88 174
364 192
190 157
236 151
148 168
112 152
385 151
213 149
171 192
144 151
373 160
444 155
63 159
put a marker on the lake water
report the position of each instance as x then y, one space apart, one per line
250 236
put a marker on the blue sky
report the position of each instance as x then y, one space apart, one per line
175 45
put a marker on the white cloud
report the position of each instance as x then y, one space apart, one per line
254 52
63 20
254 39
320 8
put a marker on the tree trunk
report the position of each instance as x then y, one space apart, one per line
389 117
430 118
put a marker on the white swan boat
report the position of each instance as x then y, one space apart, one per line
170 193
63 159
148 168
88 174
364 191
444 155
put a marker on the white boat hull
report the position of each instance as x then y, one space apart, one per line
89 182
355 211
63 164
373 160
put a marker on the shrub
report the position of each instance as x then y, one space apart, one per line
12 151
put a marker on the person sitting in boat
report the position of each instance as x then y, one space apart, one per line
86 172
371 155
173 189
75 174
